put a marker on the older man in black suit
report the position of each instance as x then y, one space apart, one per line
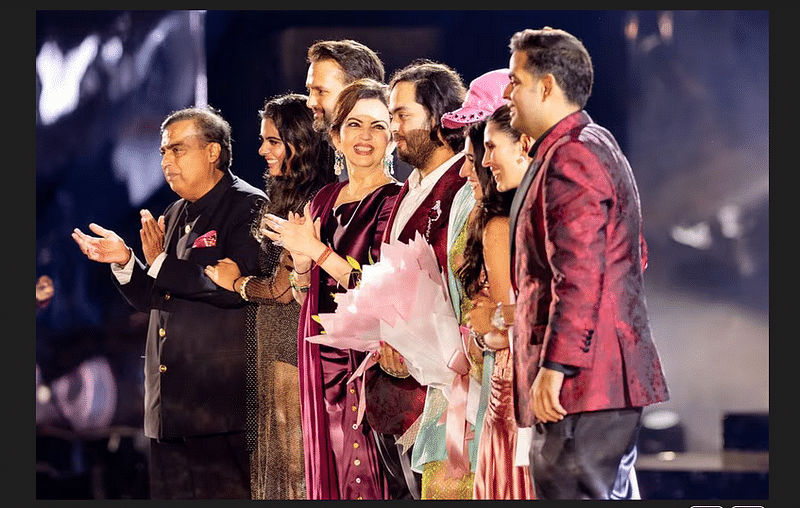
195 354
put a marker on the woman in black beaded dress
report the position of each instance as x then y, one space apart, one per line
296 169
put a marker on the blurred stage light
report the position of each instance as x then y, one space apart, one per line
662 433
61 75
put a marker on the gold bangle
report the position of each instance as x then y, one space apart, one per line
242 292
393 373
324 255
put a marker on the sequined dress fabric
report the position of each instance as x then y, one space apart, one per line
274 434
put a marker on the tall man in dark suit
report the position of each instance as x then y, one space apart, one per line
195 354
419 95
584 361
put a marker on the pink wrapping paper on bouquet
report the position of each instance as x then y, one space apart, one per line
403 300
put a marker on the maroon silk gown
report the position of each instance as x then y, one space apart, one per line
341 458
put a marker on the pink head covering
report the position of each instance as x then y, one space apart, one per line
484 96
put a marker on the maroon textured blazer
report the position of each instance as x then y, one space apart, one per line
393 404
577 262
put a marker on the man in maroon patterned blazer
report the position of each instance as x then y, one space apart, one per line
584 361
419 95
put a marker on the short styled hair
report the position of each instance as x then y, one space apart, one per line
356 60
557 52
213 129
439 89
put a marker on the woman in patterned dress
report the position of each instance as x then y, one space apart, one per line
294 154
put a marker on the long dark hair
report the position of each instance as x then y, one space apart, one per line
439 88
304 169
493 204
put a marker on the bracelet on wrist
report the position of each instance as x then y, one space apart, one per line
479 341
393 373
322 257
242 290
305 272
297 287
498 321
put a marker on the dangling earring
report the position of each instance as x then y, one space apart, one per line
388 164
338 163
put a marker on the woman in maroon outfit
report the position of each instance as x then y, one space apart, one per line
345 219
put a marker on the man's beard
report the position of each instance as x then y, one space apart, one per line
419 148
320 124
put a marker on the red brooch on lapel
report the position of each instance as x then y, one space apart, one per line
433 215
207 240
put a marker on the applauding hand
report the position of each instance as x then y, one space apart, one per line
298 233
108 247
152 235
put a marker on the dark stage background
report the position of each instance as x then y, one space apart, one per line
686 93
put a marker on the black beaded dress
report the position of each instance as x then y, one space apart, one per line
274 432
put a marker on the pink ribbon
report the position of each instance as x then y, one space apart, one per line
368 362
456 431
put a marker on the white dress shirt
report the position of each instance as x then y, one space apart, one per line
124 273
418 190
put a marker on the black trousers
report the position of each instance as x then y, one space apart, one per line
403 482
203 467
586 455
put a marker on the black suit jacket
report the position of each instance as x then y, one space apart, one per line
195 352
